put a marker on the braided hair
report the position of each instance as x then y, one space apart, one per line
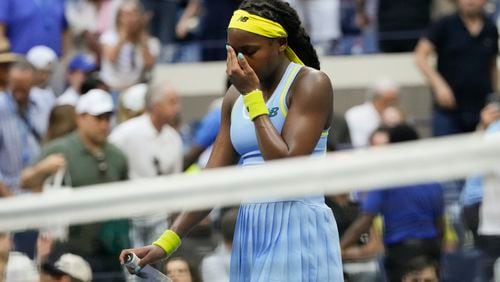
282 13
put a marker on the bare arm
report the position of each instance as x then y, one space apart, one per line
361 225
223 154
192 155
371 249
306 119
111 52
308 115
192 9
362 18
149 59
33 177
66 42
443 92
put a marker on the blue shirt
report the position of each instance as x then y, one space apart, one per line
33 22
18 146
208 129
409 212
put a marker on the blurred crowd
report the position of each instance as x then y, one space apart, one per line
77 108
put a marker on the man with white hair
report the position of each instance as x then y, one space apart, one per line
153 148
363 119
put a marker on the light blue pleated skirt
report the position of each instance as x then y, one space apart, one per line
286 241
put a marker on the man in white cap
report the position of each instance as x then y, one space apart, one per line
88 159
363 119
68 268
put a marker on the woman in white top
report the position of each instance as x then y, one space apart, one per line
129 51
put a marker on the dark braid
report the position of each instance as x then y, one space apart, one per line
282 13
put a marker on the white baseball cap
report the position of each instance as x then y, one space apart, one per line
134 98
41 57
74 266
95 102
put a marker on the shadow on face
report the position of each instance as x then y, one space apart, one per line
94 128
20 83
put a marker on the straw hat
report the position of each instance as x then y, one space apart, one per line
5 55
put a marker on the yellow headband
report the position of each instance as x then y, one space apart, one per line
252 23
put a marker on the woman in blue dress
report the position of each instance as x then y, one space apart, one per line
279 106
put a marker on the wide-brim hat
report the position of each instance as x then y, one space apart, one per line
6 56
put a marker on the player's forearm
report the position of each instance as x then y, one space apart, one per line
187 220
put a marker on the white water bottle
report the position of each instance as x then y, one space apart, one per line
148 273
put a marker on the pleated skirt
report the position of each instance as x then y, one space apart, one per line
286 241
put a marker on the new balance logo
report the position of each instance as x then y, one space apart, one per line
273 112
243 19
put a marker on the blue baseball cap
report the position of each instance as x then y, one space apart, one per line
82 62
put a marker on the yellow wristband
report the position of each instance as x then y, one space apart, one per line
169 241
254 102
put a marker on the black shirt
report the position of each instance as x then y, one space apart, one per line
465 60
403 15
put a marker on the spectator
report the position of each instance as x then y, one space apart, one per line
153 148
23 120
215 16
479 203
338 135
181 270
364 119
132 102
466 45
21 268
205 134
89 159
67 268
399 23
215 267
88 19
62 121
421 269
163 21
29 23
129 52
393 116
321 18
358 28
93 82
379 136
44 60
79 68
360 262
413 218
6 59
